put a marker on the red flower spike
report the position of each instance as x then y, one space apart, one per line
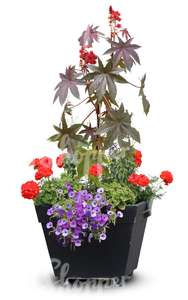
167 177
30 190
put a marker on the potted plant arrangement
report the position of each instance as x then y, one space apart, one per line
94 214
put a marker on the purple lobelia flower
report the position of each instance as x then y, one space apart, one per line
50 211
97 209
77 243
93 214
77 230
58 231
49 225
100 190
84 225
109 206
98 197
84 204
89 196
60 222
105 217
103 202
71 194
94 226
73 224
119 214
65 232
103 236
68 185
69 214
68 205
60 211
110 213
90 237
84 193
94 203
75 236
89 207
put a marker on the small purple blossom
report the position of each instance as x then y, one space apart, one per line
60 222
68 205
69 214
110 213
90 237
49 225
71 194
75 236
50 211
89 197
84 192
73 224
97 209
93 213
89 207
58 231
77 243
94 203
84 225
98 197
103 236
65 232
119 214
103 202
100 190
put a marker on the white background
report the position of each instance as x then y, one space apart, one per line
38 39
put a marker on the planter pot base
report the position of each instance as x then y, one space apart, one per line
117 256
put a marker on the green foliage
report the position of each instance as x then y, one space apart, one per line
67 137
104 78
119 195
53 190
125 50
121 166
145 102
117 126
87 157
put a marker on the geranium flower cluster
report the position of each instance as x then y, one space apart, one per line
83 216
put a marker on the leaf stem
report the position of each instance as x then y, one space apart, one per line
88 116
73 106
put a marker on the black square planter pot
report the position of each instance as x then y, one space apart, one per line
117 256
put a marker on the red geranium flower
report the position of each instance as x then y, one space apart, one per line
60 160
35 163
138 158
133 178
44 161
96 170
30 190
167 177
43 172
141 180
